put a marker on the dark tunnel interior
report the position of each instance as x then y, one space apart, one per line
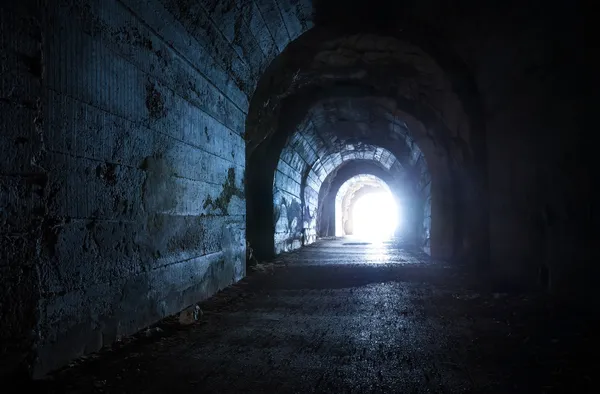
180 181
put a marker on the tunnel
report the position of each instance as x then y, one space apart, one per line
157 155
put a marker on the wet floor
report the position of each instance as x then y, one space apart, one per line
343 316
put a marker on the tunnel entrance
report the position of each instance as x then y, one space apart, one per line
375 216
366 208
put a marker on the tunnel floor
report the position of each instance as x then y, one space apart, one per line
342 316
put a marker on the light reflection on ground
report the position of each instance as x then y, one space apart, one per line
359 251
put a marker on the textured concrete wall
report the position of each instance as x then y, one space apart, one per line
22 180
121 125
288 201
124 189
425 237
142 206
145 162
296 189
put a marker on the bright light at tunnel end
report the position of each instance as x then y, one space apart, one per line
376 216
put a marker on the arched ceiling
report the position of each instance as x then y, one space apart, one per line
331 162
245 37
308 153
358 123
328 164
267 50
365 88
353 168
342 129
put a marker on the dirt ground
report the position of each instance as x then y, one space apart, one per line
345 317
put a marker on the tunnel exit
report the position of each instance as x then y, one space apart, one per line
366 208
375 216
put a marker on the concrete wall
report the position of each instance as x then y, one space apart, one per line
145 162
423 204
287 201
295 192
22 181
122 199
425 237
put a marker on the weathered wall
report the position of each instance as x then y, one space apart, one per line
288 198
22 181
144 155
298 178
425 236
145 164
135 209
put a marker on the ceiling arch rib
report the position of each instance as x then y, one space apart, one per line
320 159
376 65
322 167
345 120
